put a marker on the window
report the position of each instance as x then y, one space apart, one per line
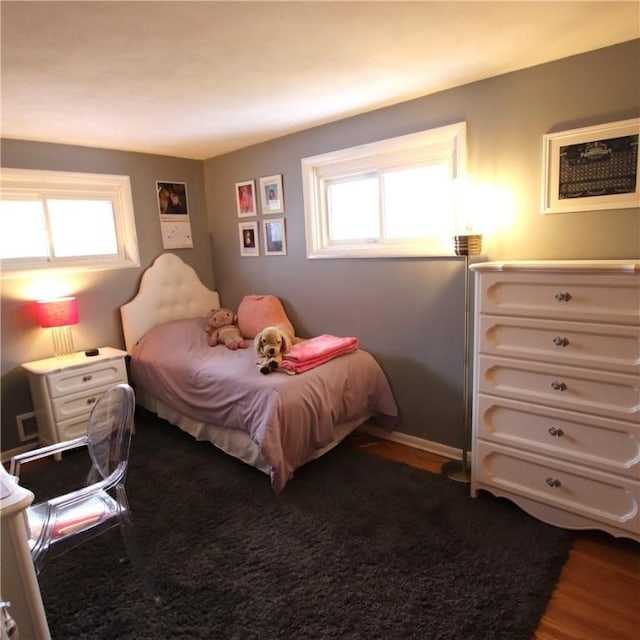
391 198
51 219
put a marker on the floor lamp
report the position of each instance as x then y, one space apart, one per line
465 246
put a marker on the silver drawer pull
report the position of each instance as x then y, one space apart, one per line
554 482
91 400
86 378
558 386
556 432
563 296
560 341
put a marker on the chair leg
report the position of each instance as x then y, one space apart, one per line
131 543
38 561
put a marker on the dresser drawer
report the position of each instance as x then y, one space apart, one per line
598 298
73 380
609 445
76 405
600 346
615 395
595 495
69 429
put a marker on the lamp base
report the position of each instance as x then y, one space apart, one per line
62 342
457 470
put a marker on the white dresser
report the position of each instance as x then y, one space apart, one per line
556 391
64 390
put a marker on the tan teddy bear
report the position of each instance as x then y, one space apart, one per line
222 330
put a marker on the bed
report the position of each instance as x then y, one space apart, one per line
275 423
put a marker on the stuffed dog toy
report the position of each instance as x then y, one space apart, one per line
222 330
270 345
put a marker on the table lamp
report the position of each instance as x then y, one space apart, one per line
58 314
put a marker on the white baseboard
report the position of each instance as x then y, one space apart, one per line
412 441
7 455
393 436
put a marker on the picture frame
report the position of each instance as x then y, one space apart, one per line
591 168
246 204
172 198
272 194
274 235
248 234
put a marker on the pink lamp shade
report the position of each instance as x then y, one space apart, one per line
58 312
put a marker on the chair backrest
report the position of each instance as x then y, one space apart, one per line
109 432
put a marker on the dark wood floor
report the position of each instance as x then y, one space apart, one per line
598 595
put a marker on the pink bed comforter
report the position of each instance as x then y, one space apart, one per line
289 417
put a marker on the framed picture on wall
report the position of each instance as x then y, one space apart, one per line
248 232
271 194
275 238
246 199
591 168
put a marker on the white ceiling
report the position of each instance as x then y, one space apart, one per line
198 79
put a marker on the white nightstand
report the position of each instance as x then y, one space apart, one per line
64 390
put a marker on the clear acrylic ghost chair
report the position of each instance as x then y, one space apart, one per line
64 522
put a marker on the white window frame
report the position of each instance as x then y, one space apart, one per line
30 184
446 143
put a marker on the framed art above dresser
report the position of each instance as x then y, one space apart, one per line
556 390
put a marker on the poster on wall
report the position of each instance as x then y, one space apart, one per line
592 168
173 208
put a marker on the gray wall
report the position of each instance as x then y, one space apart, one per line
99 293
407 312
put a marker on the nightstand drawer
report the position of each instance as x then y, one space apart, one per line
604 298
595 346
615 395
609 445
76 404
69 429
599 496
64 390
107 372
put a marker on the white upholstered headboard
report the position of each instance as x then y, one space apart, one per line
169 290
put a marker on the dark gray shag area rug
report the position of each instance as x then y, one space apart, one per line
355 547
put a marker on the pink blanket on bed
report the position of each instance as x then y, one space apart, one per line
310 353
